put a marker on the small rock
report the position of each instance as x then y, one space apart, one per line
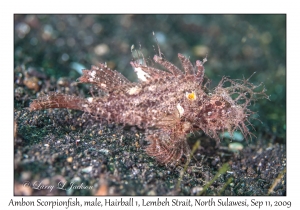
236 136
76 180
196 190
69 159
152 192
63 81
32 83
87 169
235 146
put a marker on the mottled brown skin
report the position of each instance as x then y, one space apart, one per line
167 104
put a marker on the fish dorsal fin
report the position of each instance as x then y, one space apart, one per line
186 64
168 65
147 73
104 78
